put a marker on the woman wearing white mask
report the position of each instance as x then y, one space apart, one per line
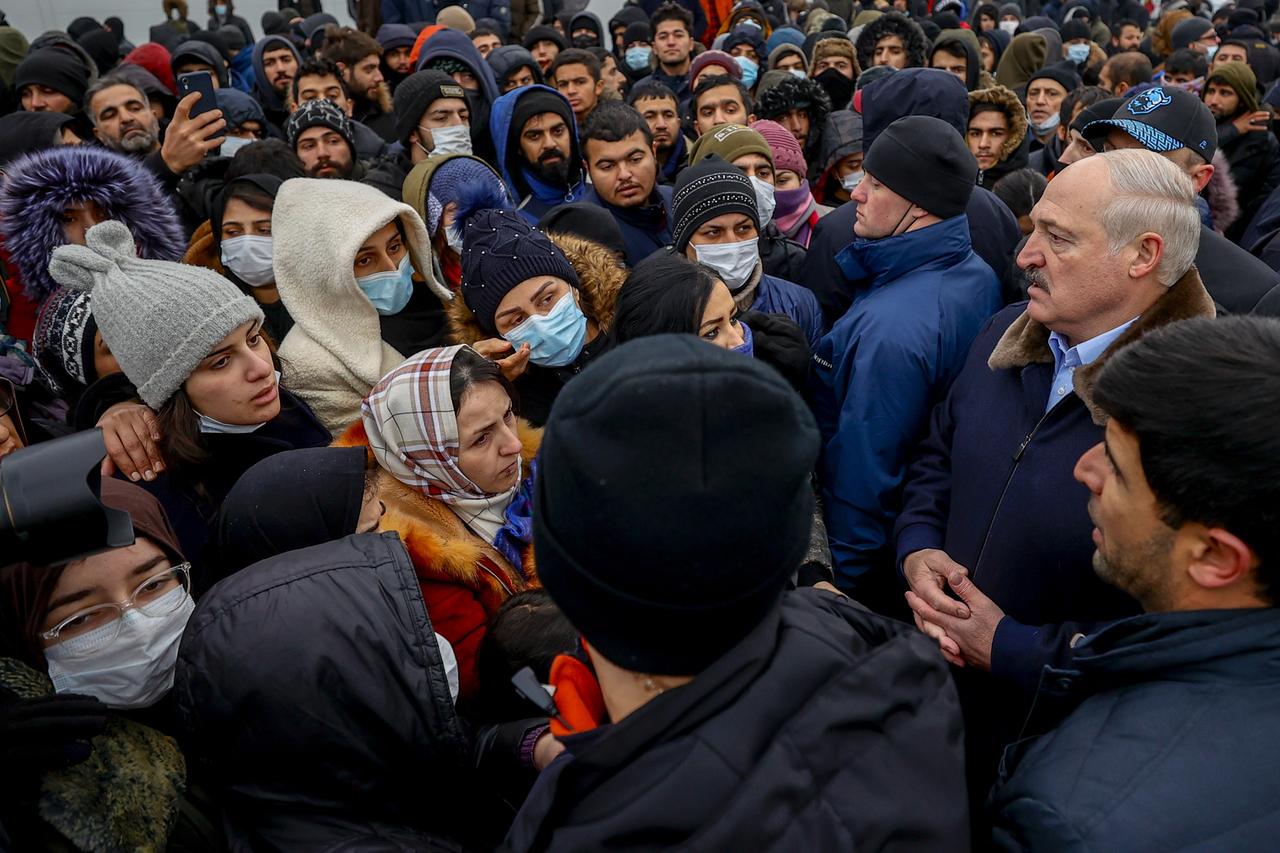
434 189
715 220
841 158
354 269
89 654
538 304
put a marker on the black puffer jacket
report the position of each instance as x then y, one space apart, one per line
312 690
826 728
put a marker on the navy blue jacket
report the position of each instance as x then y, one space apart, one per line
534 197
992 228
779 296
922 298
645 229
1172 744
992 485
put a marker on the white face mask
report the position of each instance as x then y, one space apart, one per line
765 202
249 258
1010 27
796 72
453 236
734 261
454 139
136 670
217 427
1050 123
851 180
232 144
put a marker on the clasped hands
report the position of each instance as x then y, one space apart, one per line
965 626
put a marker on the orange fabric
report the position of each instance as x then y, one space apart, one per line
458 615
578 697
427 32
717 12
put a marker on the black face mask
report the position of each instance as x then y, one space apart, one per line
838 87
585 41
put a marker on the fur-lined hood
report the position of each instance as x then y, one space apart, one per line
598 273
1007 101
1027 341
39 186
893 24
791 92
1222 194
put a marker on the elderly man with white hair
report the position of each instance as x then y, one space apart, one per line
994 538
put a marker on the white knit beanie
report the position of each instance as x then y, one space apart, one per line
160 319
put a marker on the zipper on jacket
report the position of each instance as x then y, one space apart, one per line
1017 457
482 564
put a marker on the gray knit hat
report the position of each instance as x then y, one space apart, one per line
159 318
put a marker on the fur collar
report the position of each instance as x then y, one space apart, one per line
439 544
1026 341
1014 112
598 273
202 252
124 796
1221 194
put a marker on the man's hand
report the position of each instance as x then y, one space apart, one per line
1248 122
964 641
131 433
512 366
926 572
188 139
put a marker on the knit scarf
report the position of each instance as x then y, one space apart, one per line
796 213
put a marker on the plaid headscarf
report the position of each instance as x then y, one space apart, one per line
413 431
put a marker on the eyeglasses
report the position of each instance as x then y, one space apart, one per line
93 629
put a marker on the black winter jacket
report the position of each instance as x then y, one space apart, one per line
826 728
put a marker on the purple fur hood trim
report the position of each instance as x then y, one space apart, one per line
39 186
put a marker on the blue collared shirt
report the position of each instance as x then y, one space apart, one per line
1066 360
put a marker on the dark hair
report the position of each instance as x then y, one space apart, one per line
614 121
266 157
25 593
664 294
1184 60
528 630
1020 190
652 90
709 83
980 107
484 31
576 56
471 368
1127 22
349 46
671 12
250 194
602 54
1131 67
951 48
1085 96
1201 396
318 67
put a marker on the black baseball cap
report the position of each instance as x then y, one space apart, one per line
1162 119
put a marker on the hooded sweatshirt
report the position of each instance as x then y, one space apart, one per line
1025 56
272 104
335 352
975 77
534 196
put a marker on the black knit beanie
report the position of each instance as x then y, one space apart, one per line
319 113
417 92
500 250
57 69
926 161
705 190
535 100
544 32
652 436
1061 72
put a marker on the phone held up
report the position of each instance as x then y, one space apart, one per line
202 82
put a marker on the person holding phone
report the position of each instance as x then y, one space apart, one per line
1244 136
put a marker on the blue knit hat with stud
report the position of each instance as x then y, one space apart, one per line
499 251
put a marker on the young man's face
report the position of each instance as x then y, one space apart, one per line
890 51
324 153
954 65
1206 41
1230 53
1130 38
796 121
1221 100
623 173
312 87
791 61
840 63
521 77
575 82
663 117
544 53
485 43
398 59
988 131
545 146
615 82
720 105
281 66
672 43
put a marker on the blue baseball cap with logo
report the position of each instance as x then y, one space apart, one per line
1162 119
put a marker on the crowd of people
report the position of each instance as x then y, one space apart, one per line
738 425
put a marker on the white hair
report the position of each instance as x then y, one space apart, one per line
1151 194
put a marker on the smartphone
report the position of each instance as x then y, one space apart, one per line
202 82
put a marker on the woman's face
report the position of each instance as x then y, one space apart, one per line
786 179
110 577
240 219
720 324
382 252
78 217
236 382
488 446
537 295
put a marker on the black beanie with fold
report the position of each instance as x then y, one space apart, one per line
57 69
926 161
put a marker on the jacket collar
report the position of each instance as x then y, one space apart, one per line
889 258
1026 341
650 216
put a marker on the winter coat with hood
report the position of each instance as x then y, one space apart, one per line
841 136
804 93
534 197
600 278
272 103
892 24
992 486
1167 712
38 187
921 298
1014 152
379 759
340 346
509 58
756 753
975 77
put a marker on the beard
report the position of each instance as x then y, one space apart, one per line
1139 569
136 142
552 170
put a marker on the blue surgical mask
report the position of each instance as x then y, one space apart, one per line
1050 124
750 68
389 291
1078 53
232 144
638 57
220 9
556 338
747 347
